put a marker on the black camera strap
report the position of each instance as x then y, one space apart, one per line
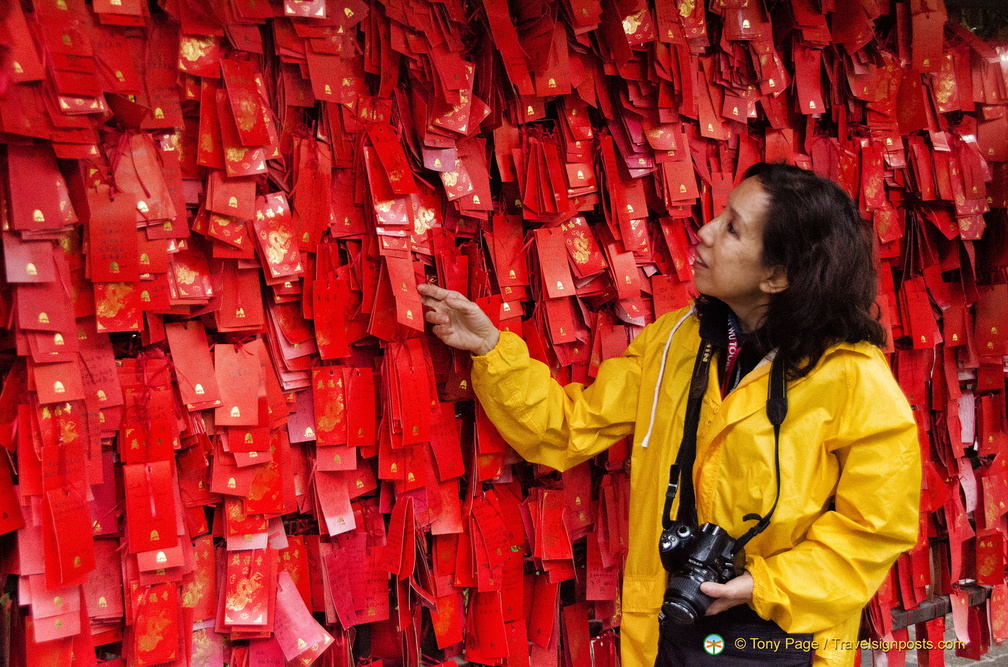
687 448
681 472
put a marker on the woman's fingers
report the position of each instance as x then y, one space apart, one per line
432 291
442 331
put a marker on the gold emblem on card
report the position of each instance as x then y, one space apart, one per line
37 216
154 536
102 396
161 558
309 432
145 296
235 412
158 113
58 339
144 259
17 68
231 483
113 267
631 23
240 313
199 389
58 387
30 269
142 206
360 484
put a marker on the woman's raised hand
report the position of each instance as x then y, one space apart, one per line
457 321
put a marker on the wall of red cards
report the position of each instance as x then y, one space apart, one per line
214 218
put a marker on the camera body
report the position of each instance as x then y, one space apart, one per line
693 555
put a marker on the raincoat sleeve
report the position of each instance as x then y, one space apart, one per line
558 426
847 552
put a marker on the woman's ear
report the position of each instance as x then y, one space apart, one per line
776 280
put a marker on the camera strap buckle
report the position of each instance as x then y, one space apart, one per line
670 494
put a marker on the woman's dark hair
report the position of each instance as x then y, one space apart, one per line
815 232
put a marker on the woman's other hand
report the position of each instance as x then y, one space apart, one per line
457 321
737 591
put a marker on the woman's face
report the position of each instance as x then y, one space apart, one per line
729 259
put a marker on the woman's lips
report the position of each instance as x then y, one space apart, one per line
695 257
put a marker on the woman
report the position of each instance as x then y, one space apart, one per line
784 273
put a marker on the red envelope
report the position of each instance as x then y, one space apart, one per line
990 558
251 115
150 506
194 370
556 274
329 393
74 549
489 643
112 246
38 197
543 614
58 383
155 631
239 376
295 629
334 500
28 262
274 230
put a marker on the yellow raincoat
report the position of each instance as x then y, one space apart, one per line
849 460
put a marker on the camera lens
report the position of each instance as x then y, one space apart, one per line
678 613
684 603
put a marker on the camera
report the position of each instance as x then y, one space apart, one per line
693 555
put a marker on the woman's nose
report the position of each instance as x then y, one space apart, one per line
706 233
